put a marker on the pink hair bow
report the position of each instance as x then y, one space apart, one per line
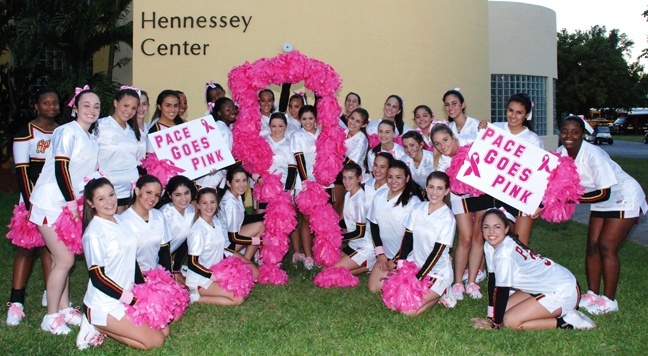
210 107
136 89
303 95
210 85
77 91
505 212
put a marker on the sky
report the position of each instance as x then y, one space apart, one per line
624 15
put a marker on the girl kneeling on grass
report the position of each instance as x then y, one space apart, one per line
110 253
545 294
207 243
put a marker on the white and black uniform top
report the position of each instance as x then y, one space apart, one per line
208 243
71 142
217 180
398 152
425 167
429 229
150 235
304 141
526 135
30 146
293 125
370 193
109 245
390 220
118 149
178 224
231 213
356 148
598 171
469 130
282 158
372 127
265 125
517 268
141 144
354 212
155 127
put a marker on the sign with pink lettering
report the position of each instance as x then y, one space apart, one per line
508 168
195 147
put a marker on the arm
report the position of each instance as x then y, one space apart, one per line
102 282
406 245
500 299
491 295
239 239
596 196
164 256
21 161
375 235
197 268
301 165
359 232
63 179
292 177
431 261
252 218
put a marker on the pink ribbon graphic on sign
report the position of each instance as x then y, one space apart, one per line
473 169
171 167
545 164
206 125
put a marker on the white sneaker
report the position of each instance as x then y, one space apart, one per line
472 290
448 300
15 314
578 320
72 316
88 335
464 277
481 275
309 263
297 257
44 299
458 291
194 295
587 299
603 305
55 324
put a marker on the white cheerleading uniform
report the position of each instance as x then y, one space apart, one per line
208 243
427 230
390 220
526 135
155 127
372 127
282 158
141 144
30 148
370 193
304 142
356 149
456 201
80 147
118 150
398 152
265 125
231 213
354 212
109 245
217 179
469 130
149 236
293 125
426 136
177 224
598 171
425 167
553 285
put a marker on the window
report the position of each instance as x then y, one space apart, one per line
505 85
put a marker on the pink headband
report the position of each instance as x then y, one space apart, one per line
124 87
77 91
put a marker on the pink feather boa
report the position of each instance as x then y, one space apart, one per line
161 169
22 232
68 229
336 277
563 191
456 186
402 291
245 81
234 276
160 300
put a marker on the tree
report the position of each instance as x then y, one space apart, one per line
593 72
644 53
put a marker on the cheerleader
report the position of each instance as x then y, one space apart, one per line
419 160
207 245
295 103
147 225
526 291
386 133
31 147
358 256
183 104
386 215
243 230
142 111
179 215
110 254
213 92
468 211
455 106
73 158
166 113
118 137
518 122
302 144
267 107
392 111
352 101
424 119
617 202
429 234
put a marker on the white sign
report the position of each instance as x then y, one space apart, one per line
508 168
195 147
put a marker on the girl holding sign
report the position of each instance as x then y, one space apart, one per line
617 202
455 106
392 111
386 133
166 112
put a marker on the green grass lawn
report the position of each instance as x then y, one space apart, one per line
300 318
632 138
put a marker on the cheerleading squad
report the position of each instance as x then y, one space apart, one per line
398 213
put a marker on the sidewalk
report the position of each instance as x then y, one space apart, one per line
638 234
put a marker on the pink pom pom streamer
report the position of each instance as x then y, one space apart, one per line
233 275
398 140
272 274
456 186
563 191
160 300
402 291
336 277
22 232
373 141
68 229
161 169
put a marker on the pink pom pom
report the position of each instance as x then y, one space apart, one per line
68 229
272 274
398 140
160 300
161 169
336 277
456 186
373 141
402 291
233 275
268 187
563 191
22 232
311 197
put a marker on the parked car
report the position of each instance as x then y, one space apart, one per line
601 134
646 137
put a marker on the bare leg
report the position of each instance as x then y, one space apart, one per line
252 230
465 226
306 236
338 205
214 294
593 264
523 225
23 260
57 283
139 337
46 262
429 301
348 263
255 269
376 280
529 314
476 255
295 238
613 234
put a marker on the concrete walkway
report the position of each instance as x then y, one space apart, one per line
638 234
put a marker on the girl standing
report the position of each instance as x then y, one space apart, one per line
424 119
294 104
166 112
386 134
351 102
455 106
213 92
31 147
392 111
142 111
73 158
419 160
267 107
183 104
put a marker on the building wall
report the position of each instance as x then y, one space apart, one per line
415 48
